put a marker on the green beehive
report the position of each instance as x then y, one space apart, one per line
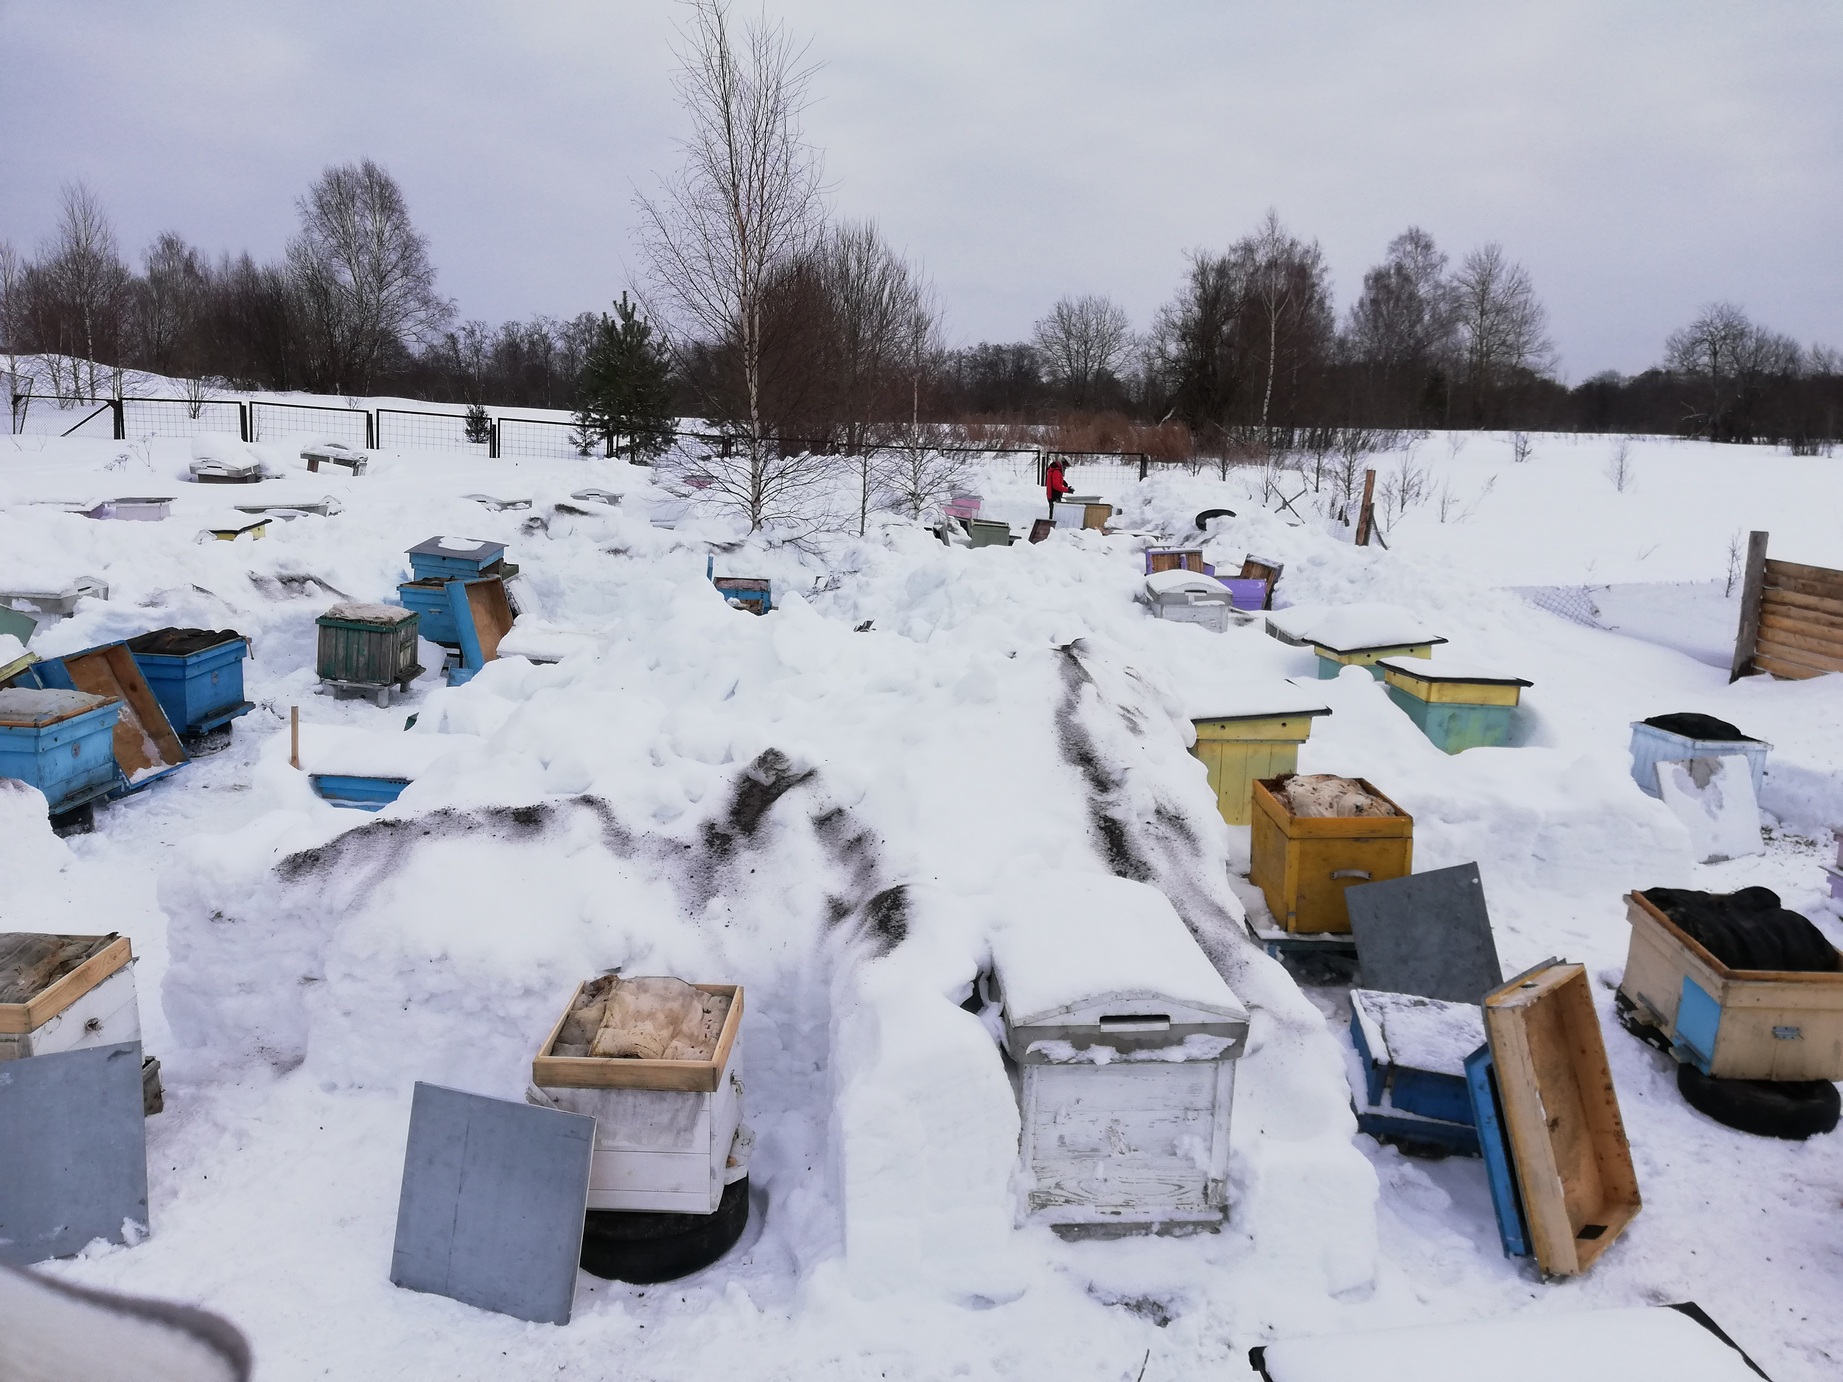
1457 707
368 649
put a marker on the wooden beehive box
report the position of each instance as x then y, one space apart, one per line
1241 748
1303 864
1573 1163
1733 1024
1457 708
146 747
1412 1053
65 993
664 1130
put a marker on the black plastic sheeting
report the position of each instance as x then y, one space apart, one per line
1693 726
180 642
1748 929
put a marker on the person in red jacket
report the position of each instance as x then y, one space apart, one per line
1056 484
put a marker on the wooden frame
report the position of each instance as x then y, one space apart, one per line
1772 1024
1573 1162
18 1019
602 1072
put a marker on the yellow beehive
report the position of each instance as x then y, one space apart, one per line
1239 750
1303 864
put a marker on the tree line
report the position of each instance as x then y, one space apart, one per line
760 312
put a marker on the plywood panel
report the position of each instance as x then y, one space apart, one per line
492 614
144 741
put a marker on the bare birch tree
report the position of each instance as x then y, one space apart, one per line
745 202
1502 324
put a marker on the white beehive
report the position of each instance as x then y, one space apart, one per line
668 1133
65 993
1123 1039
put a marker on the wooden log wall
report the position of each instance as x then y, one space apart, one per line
1791 618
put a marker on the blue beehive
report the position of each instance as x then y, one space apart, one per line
195 674
360 793
1653 743
452 558
429 599
1413 1054
60 741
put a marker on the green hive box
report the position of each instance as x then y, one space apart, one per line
368 648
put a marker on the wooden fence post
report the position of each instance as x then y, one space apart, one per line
1366 516
1752 588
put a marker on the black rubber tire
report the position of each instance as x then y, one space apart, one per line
1789 1109
1627 1013
1207 514
643 1248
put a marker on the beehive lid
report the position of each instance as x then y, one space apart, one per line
358 612
1362 627
1419 1033
176 642
1175 582
1065 943
22 707
1450 669
459 549
31 961
1256 700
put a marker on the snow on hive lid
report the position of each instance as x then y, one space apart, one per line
477 548
24 707
358 612
339 751
1357 628
1257 700
1449 669
1171 582
1062 942
1419 1033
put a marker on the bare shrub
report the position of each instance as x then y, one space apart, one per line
1619 468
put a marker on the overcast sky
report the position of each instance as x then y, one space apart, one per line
1640 157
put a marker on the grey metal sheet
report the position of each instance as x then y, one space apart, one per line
1427 934
494 1194
73 1151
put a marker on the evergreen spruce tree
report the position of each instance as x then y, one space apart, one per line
478 426
625 392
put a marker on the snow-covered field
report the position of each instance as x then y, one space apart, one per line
721 797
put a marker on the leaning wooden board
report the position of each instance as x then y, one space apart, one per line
144 741
1574 1165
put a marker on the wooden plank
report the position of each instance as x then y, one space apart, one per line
16 1019
1809 664
492 614
1574 1163
1748 631
1799 647
1801 621
1790 605
588 1072
1790 671
143 738
1791 575
1366 515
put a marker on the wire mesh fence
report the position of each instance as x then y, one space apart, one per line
271 421
535 439
182 417
48 417
403 429
1572 602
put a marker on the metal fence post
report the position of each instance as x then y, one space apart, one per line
121 425
371 431
243 422
1144 463
492 441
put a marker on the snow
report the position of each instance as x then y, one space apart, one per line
1419 1033
1181 582
1252 700
1064 942
837 820
1602 1346
1714 799
342 751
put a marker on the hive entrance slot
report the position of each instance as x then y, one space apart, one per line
1136 1022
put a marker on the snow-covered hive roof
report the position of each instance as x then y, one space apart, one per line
1177 582
1357 628
342 751
1068 944
1256 700
1450 669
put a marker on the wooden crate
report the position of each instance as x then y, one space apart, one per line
1240 750
1303 864
1332 661
1734 1024
53 988
1573 1163
663 1129
1175 559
